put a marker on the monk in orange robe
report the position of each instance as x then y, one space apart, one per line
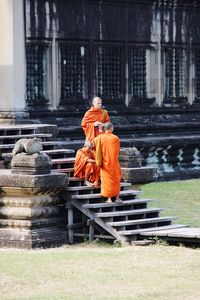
85 165
107 147
94 120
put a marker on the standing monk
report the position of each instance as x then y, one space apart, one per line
94 120
85 165
107 150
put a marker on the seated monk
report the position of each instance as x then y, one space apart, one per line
107 150
85 165
94 120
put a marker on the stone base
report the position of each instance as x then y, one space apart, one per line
139 175
36 164
29 239
15 117
32 213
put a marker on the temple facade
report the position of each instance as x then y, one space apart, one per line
141 57
130 53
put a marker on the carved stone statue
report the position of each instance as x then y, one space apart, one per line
29 146
27 158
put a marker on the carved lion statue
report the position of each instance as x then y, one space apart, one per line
28 146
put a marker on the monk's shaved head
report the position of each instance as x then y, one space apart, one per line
88 144
97 102
108 126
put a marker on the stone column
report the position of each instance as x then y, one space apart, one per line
12 61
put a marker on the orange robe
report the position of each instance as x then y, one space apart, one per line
84 169
90 117
107 150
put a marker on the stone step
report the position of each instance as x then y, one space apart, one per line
16 130
79 188
66 170
114 204
25 136
62 152
140 221
60 161
75 179
84 187
131 212
55 151
94 196
150 229
15 127
46 144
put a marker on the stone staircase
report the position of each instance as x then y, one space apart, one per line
87 215
10 134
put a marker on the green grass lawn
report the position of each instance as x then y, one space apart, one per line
179 198
95 272
100 272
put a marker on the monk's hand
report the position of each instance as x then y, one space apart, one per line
97 123
90 160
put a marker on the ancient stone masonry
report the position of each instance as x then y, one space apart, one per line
31 211
141 57
133 171
27 158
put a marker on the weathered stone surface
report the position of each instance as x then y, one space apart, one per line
36 223
30 200
32 213
27 213
52 180
139 175
130 157
23 163
29 146
47 128
37 238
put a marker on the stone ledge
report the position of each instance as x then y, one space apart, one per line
140 174
7 179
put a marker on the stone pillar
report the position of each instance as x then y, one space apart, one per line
12 61
31 210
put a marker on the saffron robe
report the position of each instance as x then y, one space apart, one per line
107 147
84 169
90 117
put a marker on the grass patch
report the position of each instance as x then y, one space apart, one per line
101 271
154 272
179 198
